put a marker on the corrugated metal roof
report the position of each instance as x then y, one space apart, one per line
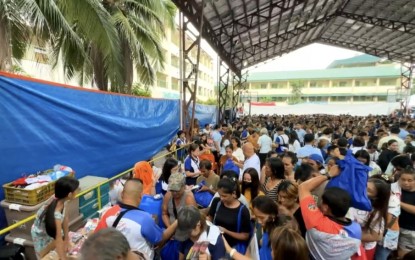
245 33
337 73
365 58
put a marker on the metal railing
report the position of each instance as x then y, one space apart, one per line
96 187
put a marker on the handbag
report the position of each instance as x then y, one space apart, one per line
203 198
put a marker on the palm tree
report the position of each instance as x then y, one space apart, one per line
141 28
13 34
99 39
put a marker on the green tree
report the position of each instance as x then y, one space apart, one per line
296 92
210 101
140 90
96 39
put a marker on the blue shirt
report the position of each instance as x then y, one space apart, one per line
301 133
265 250
403 133
191 165
306 151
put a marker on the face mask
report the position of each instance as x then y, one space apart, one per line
248 184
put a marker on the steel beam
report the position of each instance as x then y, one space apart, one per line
189 74
369 50
223 95
385 23
406 85
191 10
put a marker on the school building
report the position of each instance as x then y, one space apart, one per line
363 78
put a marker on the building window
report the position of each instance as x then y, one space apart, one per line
278 85
175 84
161 80
175 61
365 83
263 86
382 98
343 84
41 55
387 82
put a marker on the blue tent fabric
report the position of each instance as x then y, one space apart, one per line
205 114
95 133
353 178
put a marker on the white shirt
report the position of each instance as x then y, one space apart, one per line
294 147
223 147
265 143
252 162
239 154
386 139
362 217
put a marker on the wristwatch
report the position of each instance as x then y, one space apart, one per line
328 176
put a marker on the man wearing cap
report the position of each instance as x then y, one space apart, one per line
136 225
176 198
317 162
198 236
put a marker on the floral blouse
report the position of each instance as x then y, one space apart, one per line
40 238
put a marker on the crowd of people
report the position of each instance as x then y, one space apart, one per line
269 184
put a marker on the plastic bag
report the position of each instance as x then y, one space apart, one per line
353 178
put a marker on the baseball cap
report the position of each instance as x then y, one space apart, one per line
187 220
176 182
316 157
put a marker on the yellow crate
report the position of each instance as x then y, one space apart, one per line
29 197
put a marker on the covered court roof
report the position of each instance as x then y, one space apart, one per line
247 32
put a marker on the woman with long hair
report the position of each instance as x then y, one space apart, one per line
274 175
171 166
230 215
364 157
373 222
267 215
286 243
250 186
293 142
51 223
226 140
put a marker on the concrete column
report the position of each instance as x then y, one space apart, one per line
330 83
308 84
377 82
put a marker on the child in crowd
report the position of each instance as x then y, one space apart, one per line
51 224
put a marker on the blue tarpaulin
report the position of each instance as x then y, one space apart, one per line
205 114
95 133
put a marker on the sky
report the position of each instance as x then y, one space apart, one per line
313 56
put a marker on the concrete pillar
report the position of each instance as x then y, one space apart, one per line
330 83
